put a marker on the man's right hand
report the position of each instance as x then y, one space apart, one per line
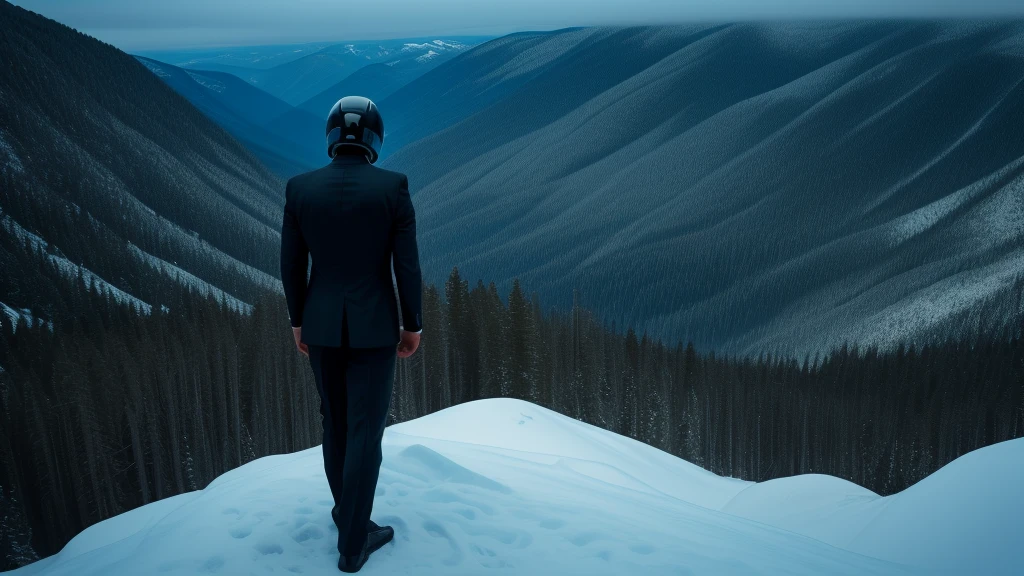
410 342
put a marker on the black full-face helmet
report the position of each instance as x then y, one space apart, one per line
355 121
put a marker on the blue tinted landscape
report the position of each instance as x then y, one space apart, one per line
728 292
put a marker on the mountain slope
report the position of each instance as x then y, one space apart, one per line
289 139
239 57
115 173
250 115
464 85
752 187
503 484
375 81
301 79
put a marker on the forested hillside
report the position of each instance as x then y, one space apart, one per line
781 186
117 177
113 409
288 148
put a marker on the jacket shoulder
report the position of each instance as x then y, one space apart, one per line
293 184
394 175
299 180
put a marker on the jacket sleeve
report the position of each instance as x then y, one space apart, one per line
294 260
406 260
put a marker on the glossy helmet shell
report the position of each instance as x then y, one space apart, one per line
355 120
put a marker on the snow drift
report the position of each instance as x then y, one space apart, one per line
507 485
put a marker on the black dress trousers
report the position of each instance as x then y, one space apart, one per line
355 386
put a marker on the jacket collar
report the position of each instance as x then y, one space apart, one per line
348 160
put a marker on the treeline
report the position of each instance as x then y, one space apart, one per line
108 409
112 409
881 419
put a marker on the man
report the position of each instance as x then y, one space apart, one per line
357 221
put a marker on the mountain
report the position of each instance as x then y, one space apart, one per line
299 80
250 115
506 484
475 80
749 187
305 123
375 81
290 139
237 57
111 177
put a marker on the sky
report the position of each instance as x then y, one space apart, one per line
151 25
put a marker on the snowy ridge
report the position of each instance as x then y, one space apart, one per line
430 55
12 227
505 485
72 269
8 159
428 46
453 45
206 82
14 314
185 278
154 68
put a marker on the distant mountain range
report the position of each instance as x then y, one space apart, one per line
749 187
290 139
316 70
112 176
254 57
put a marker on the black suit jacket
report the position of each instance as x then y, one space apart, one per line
354 218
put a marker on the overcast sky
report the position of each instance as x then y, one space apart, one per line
161 24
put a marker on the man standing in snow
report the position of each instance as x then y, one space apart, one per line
357 221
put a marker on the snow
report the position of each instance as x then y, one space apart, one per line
507 486
455 45
966 518
830 509
8 158
69 267
156 69
429 46
922 309
15 229
428 56
206 82
550 438
1005 200
13 314
185 278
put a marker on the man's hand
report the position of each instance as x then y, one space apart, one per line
304 349
410 342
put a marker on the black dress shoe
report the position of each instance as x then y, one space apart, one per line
371 527
374 540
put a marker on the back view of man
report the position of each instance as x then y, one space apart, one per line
356 221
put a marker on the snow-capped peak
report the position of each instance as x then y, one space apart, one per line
428 56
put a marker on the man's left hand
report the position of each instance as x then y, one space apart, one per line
303 348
